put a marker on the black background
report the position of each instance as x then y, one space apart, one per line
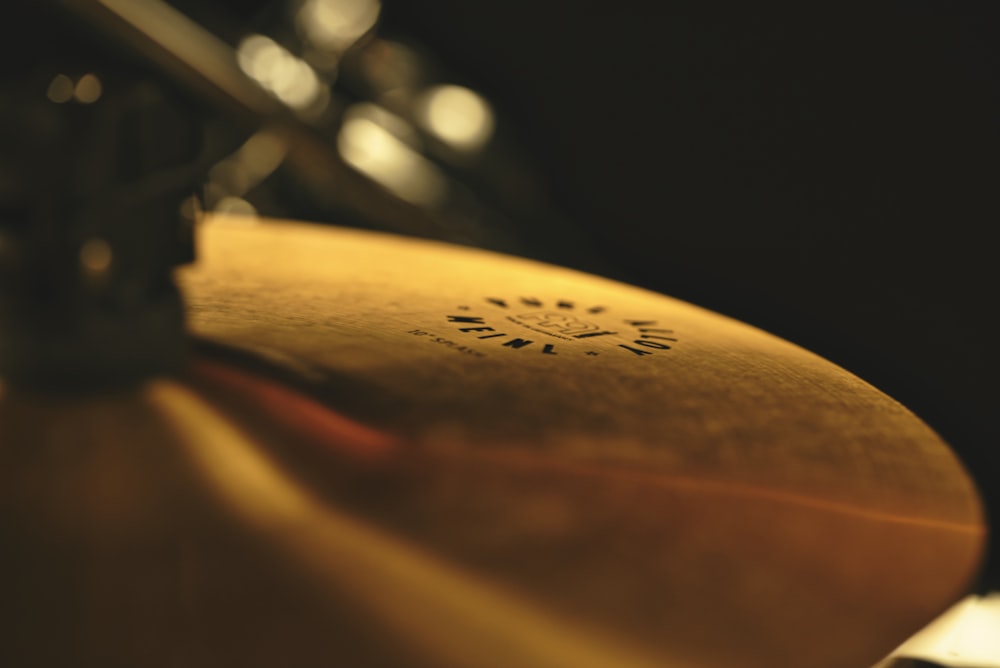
828 173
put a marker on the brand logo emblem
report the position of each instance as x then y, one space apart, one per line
559 327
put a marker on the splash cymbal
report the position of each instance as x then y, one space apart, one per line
397 452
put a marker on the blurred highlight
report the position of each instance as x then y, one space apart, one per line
96 257
236 206
286 77
457 116
87 90
370 142
968 634
236 175
61 89
334 25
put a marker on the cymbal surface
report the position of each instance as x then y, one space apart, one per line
615 461
388 452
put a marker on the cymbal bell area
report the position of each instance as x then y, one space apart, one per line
392 452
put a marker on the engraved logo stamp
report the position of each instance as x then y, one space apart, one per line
559 327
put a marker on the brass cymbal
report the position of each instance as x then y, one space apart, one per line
393 452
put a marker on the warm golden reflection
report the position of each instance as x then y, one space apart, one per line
61 89
96 257
88 89
427 602
457 116
334 25
369 146
288 78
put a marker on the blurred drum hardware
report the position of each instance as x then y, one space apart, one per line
97 153
347 447
346 125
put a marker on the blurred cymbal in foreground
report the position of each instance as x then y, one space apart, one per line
390 452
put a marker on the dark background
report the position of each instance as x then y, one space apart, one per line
826 173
